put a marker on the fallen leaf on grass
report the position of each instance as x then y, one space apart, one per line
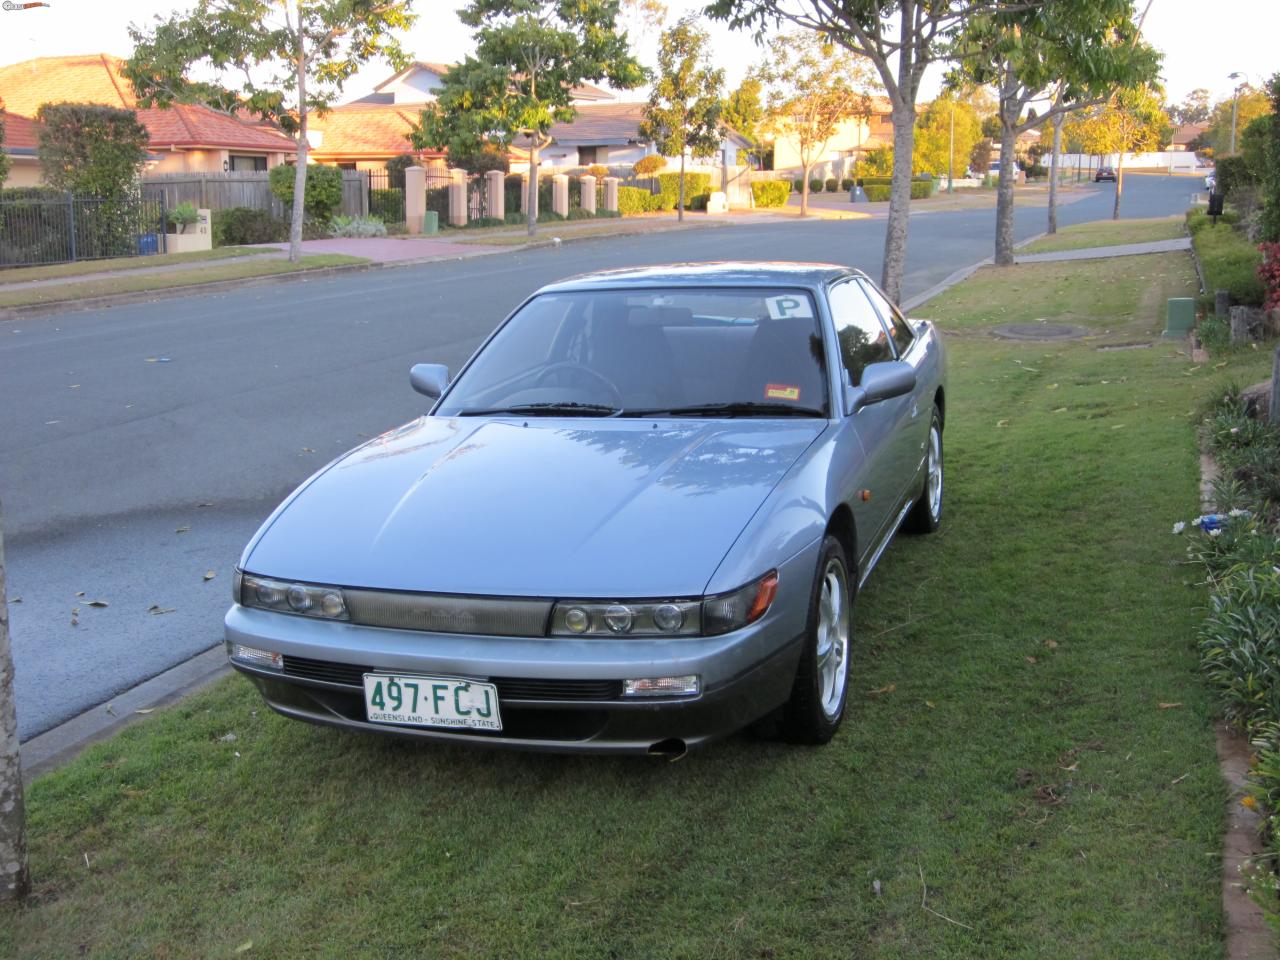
1169 706
210 574
930 704
1219 366
1249 802
244 947
1051 644
1047 796
1071 769
1002 423
1052 386
227 738
1177 780
889 688
155 609
1025 778
1061 410
1031 659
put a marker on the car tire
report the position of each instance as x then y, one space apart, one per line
821 687
926 515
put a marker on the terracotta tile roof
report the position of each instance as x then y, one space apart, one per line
19 132
96 78
367 130
1188 132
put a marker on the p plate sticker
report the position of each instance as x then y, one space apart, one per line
789 305
781 391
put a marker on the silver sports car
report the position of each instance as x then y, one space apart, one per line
635 521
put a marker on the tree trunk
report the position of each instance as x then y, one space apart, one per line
680 199
1004 193
300 173
1053 173
15 882
895 236
1115 210
534 150
804 189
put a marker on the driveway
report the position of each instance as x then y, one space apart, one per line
126 479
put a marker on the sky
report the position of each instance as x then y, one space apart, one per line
1202 43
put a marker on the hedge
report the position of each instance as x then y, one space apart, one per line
1229 261
815 186
877 192
771 193
695 185
237 226
633 200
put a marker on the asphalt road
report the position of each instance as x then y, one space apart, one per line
141 446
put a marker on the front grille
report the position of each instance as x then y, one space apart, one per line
509 688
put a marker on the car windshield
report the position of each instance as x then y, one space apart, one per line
674 352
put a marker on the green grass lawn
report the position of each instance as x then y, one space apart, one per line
1027 737
57 293
58 270
1109 233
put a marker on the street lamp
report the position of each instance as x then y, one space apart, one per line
1235 104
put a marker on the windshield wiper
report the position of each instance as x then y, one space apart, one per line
741 408
550 409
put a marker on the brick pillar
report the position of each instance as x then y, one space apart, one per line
495 184
589 193
458 198
560 194
415 198
611 193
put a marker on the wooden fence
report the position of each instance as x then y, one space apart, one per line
218 191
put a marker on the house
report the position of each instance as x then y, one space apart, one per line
20 141
852 140
185 137
1186 135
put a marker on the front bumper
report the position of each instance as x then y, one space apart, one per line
556 694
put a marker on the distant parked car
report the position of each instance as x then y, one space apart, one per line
636 520
993 168
1104 173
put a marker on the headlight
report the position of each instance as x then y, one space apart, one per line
730 611
303 599
648 618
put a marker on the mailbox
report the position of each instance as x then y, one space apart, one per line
1215 205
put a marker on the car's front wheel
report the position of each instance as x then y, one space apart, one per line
817 703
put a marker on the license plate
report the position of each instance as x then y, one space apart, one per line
431 702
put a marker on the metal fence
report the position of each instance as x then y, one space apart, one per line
47 227
386 196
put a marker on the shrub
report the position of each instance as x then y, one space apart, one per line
846 184
815 185
797 185
1269 275
578 213
91 150
770 193
1198 219
597 170
876 192
831 184
633 200
1229 262
491 221
878 162
182 216
695 184
396 167
649 165
341 226
236 226
323 191
548 216
387 205
516 216
1233 175
603 214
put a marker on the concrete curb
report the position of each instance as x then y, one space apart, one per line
65 742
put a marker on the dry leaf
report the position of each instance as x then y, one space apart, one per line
930 704
246 946
1249 802
181 529
155 609
308 450
1031 659
97 603
889 688
16 600
1061 410
1169 706
1002 423
1051 644
145 710
79 593
205 504
1177 780
209 574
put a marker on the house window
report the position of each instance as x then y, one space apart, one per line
347 166
587 156
248 163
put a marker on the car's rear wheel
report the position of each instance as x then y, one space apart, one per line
926 515
820 691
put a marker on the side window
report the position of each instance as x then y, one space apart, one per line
862 337
903 336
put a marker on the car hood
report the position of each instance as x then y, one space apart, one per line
547 508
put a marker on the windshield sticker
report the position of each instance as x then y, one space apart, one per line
789 306
781 391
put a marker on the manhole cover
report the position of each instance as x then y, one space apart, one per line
1040 331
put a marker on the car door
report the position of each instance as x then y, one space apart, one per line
863 340
911 431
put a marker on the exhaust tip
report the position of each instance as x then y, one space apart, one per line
673 748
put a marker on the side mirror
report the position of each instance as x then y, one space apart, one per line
429 379
880 381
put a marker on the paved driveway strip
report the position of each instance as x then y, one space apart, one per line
105 455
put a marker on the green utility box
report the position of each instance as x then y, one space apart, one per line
1181 318
431 222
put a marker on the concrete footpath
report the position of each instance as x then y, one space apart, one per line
1105 253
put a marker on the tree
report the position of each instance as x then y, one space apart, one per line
15 881
901 38
90 149
529 56
1132 119
1250 105
4 157
1193 109
279 61
980 158
742 111
1269 223
683 113
396 167
934 134
1061 56
813 88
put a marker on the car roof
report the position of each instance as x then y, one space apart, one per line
735 273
